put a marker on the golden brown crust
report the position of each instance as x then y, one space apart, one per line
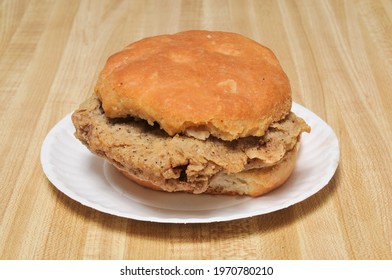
215 82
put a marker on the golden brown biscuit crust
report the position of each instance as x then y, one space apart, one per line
218 83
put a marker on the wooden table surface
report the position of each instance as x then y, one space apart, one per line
338 56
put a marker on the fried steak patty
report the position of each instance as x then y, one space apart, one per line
179 163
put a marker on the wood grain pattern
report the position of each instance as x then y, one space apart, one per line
338 56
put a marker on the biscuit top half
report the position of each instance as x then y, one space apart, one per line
198 83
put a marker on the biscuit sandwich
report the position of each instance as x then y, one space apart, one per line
196 112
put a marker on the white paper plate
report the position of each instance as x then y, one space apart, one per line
91 181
